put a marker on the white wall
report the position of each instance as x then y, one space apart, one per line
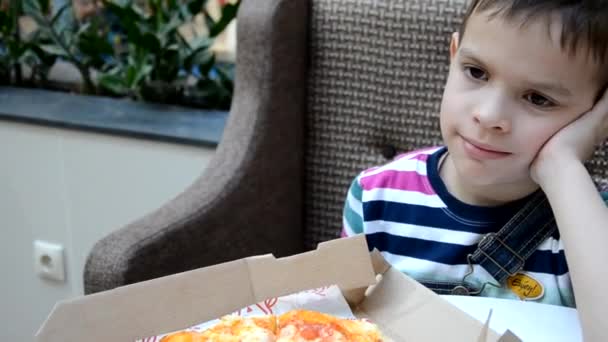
73 188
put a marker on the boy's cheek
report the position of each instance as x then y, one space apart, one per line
457 94
453 107
532 141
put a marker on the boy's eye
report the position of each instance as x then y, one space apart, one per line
476 73
539 100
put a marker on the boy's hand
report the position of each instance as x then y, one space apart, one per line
576 141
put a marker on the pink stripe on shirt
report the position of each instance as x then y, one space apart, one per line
398 180
421 155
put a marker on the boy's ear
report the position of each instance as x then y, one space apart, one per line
454 45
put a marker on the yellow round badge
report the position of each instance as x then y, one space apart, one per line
525 286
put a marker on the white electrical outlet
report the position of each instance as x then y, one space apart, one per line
48 260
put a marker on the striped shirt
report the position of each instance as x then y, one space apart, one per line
407 213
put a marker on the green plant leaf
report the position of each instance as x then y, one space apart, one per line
204 59
167 66
142 73
31 9
229 12
60 13
225 79
209 21
114 7
29 57
128 17
45 58
170 27
130 76
200 43
195 6
44 6
206 65
172 5
122 3
150 42
5 23
135 74
138 11
53 50
94 47
113 83
82 30
32 36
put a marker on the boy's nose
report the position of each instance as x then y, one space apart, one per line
498 126
492 115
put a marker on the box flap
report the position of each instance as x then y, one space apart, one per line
182 300
405 310
483 336
509 336
342 262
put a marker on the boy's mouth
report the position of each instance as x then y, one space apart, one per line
479 150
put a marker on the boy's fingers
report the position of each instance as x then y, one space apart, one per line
603 107
603 101
599 113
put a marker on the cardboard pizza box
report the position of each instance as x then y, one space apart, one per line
402 308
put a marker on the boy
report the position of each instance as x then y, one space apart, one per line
523 107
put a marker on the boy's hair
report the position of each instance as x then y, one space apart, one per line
583 21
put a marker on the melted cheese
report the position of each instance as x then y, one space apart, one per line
302 325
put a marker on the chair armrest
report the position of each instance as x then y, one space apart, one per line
250 198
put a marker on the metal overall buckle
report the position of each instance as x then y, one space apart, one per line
461 290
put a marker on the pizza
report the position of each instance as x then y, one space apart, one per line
303 325
293 326
231 329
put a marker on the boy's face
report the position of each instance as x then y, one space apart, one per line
509 89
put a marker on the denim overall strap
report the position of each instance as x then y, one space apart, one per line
504 253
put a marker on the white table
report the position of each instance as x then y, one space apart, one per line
529 321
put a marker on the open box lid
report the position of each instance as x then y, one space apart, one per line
407 311
400 306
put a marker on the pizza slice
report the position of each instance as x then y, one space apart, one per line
303 325
183 336
231 329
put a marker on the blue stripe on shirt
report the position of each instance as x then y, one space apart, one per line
445 253
418 215
547 262
454 254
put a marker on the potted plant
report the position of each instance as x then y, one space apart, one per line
157 63
133 49
19 49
